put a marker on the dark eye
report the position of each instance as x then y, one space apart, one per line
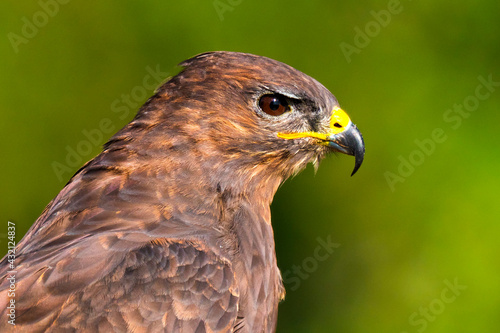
273 105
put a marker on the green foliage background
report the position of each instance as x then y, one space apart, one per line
397 246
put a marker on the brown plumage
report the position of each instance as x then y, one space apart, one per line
168 228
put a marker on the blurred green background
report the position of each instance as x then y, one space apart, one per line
416 229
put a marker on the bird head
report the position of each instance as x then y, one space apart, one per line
250 118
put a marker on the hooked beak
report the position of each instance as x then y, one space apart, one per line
343 136
349 142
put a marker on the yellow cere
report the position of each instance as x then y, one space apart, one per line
338 117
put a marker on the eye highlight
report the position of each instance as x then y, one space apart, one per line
273 105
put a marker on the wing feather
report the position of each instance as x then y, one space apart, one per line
163 285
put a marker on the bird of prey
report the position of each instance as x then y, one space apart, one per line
168 229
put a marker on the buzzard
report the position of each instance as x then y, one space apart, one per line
168 229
